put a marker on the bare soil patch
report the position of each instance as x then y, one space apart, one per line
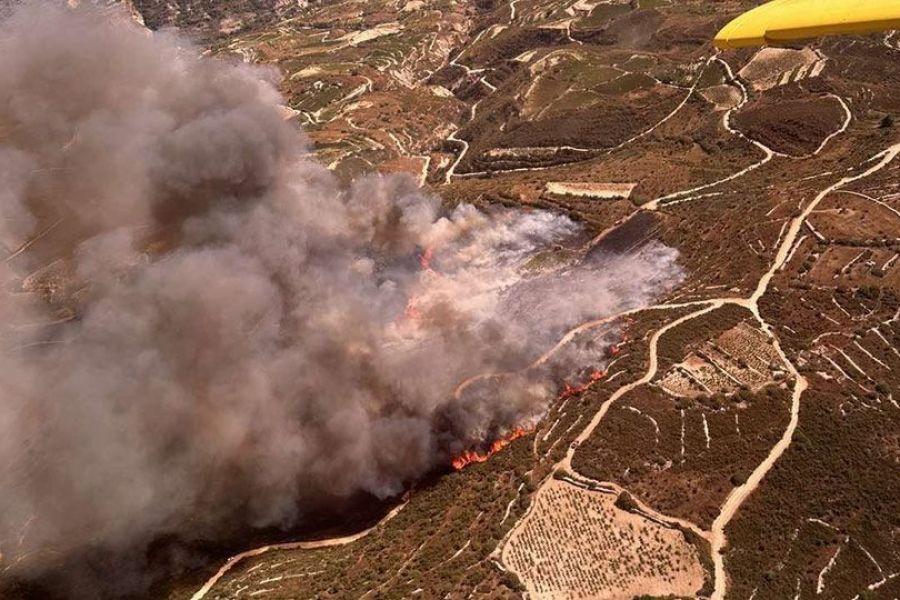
599 191
770 66
724 97
740 358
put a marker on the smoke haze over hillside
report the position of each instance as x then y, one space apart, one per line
199 325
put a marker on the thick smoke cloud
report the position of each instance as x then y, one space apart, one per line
200 326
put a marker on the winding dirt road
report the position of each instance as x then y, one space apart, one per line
739 495
451 173
338 541
566 462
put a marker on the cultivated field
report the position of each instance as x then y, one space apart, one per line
575 543
741 358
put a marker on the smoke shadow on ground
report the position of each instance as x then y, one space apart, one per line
190 561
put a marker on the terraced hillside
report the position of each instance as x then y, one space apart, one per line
752 413
743 439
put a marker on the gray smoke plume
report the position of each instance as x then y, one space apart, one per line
200 326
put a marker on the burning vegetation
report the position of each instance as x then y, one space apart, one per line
570 390
469 457
472 456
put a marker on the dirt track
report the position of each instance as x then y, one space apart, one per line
739 495
338 541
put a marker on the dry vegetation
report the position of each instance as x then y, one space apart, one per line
683 454
788 124
833 497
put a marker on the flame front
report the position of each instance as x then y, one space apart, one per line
572 390
616 349
426 257
469 457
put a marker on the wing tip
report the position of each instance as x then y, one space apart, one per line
735 43
740 32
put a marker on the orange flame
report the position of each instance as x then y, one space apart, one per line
616 349
412 312
571 390
425 258
469 457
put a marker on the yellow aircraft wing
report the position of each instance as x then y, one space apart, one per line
785 20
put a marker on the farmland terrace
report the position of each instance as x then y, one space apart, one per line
746 436
745 441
